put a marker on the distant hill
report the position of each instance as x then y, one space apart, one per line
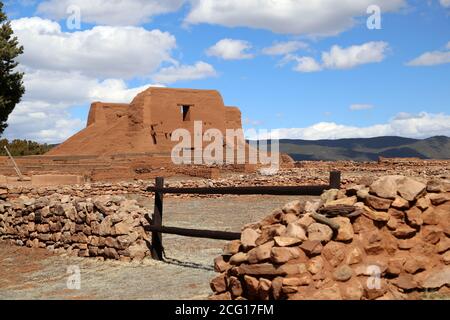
367 149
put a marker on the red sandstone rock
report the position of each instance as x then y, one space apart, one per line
286 241
311 247
232 247
277 285
264 289
263 269
220 265
375 215
260 253
303 279
295 207
345 232
414 217
409 189
280 255
378 203
400 203
385 187
248 238
334 253
219 283
235 287
238 258
319 232
430 216
295 231
251 286
405 281
439 198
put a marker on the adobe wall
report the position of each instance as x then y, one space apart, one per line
233 118
106 112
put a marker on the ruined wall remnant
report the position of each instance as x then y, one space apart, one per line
106 227
145 125
386 240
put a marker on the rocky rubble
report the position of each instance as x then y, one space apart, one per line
305 172
106 227
389 239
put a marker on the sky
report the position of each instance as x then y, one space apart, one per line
306 69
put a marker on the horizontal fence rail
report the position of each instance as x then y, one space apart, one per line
275 190
157 229
209 234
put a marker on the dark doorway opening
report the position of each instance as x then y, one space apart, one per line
185 110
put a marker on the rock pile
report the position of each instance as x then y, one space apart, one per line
107 227
386 240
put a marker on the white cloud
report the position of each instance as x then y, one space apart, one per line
110 12
42 121
116 90
319 17
307 64
70 88
65 70
230 49
360 106
445 3
422 125
343 58
44 115
431 58
282 48
105 52
173 74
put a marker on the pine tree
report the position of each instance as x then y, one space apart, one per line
11 81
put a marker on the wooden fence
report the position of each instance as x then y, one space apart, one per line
157 229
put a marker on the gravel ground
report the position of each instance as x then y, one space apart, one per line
36 274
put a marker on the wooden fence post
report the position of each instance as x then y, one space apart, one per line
157 247
335 179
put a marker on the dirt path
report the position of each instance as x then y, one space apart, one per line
35 274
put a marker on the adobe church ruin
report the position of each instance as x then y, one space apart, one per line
146 124
133 141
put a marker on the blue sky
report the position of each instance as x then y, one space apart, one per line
339 79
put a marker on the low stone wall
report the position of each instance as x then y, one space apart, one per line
10 192
107 227
389 240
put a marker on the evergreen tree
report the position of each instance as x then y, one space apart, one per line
11 83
